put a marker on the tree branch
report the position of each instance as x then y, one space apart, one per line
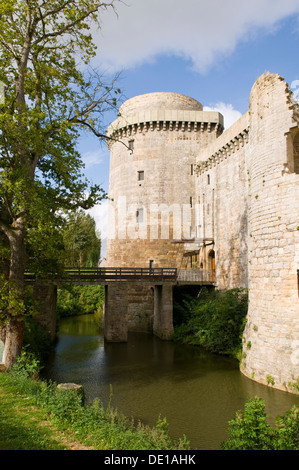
98 134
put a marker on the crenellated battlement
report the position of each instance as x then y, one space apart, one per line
230 141
166 120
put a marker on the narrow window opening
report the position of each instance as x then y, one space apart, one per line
131 144
140 175
209 179
191 201
192 169
139 216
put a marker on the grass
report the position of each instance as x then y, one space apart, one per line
35 415
24 426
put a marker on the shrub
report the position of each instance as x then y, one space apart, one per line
250 431
215 321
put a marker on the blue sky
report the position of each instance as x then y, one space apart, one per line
212 51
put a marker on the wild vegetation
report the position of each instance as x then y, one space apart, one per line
250 430
214 320
91 425
80 300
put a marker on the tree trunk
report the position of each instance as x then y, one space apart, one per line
14 328
13 341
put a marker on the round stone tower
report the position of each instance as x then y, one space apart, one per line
153 147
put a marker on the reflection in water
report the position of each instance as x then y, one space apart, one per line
196 391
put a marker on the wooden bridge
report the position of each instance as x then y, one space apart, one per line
103 276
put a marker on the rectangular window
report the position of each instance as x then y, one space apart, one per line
139 216
140 175
209 179
191 201
131 144
192 169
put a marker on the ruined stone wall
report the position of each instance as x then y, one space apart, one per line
250 178
271 340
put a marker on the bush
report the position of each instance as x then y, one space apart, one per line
215 320
250 431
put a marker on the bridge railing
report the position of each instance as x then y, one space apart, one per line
105 274
196 275
78 274
89 274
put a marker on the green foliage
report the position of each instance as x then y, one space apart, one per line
37 340
214 320
10 301
250 431
80 300
95 425
26 366
81 242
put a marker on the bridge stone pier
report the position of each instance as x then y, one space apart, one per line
116 312
153 292
117 304
163 311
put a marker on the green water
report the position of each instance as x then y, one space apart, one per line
196 391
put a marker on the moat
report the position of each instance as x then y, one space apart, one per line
196 391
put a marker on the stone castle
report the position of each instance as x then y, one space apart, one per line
220 206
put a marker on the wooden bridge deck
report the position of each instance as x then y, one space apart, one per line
105 275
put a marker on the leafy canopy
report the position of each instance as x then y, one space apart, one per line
81 241
50 97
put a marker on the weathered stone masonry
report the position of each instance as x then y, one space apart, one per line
242 189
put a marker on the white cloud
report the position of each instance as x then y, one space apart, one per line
230 114
200 31
92 158
100 214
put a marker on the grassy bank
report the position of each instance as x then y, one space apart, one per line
25 426
35 415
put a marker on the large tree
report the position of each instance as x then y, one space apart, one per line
81 241
49 99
